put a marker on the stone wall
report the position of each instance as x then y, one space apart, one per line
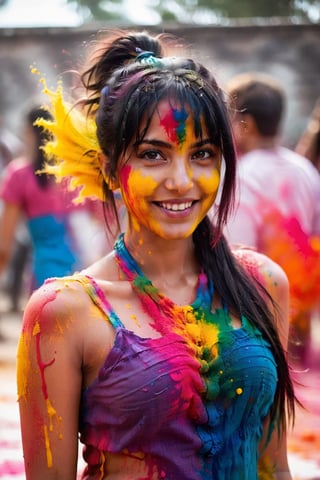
289 52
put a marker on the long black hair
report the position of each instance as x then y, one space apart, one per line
126 85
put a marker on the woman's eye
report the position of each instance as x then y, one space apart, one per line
202 155
151 155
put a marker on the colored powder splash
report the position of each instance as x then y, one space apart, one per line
174 123
32 334
73 153
135 188
299 256
197 323
209 186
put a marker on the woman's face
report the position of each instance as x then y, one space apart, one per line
170 180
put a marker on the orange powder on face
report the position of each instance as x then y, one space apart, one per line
135 189
209 186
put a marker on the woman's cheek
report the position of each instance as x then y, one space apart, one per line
135 189
209 186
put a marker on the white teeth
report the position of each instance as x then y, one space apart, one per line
176 206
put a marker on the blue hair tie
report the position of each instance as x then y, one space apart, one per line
148 58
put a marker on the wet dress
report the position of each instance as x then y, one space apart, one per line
190 403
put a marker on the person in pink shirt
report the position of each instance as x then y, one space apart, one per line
43 204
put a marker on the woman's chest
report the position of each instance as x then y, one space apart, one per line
165 377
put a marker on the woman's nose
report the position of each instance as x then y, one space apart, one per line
180 178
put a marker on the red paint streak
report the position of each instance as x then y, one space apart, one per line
42 367
170 125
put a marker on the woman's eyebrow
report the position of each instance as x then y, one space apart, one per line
161 143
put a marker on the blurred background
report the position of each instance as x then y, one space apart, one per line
280 37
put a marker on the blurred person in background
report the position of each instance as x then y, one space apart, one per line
308 144
11 147
278 210
47 208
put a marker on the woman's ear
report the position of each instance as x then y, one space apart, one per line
248 124
112 183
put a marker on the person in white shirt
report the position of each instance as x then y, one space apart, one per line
278 198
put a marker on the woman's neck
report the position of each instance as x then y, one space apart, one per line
168 264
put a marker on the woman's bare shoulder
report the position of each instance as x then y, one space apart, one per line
74 296
261 267
57 300
271 275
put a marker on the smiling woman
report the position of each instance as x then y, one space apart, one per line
167 356
171 179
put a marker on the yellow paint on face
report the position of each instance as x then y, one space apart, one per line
173 173
135 189
209 186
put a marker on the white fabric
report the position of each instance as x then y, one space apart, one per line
274 178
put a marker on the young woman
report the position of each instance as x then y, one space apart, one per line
168 355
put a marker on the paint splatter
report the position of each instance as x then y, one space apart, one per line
174 123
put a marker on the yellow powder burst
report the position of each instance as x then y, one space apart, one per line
73 153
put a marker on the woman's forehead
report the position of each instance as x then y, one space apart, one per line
173 114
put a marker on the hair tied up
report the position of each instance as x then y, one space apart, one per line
148 58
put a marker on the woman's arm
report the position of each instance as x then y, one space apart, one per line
9 218
273 462
49 378
274 456
277 284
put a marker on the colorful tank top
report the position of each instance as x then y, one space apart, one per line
191 403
